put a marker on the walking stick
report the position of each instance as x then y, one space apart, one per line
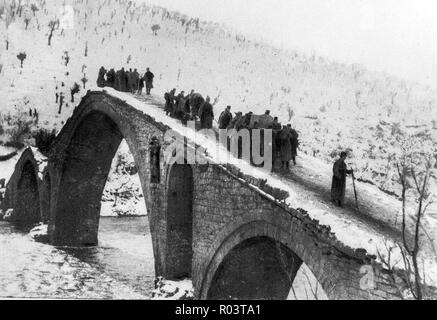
355 190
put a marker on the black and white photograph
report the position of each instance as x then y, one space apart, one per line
230 150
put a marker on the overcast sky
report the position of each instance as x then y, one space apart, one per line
397 36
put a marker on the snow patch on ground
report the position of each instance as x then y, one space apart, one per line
41 161
173 290
39 232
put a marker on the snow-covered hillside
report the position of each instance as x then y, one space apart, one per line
334 106
122 194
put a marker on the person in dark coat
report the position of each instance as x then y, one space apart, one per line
188 104
285 147
241 122
276 142
246 120
196 101
149 80
169 102
128 80
134 78
266 120
110 78
125 81
101 77
338 186
206 114
225 118
140 85
275 124
120 80
235 120
117 80
178 110
294 143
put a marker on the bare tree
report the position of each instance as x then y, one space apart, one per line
290 113
357 98
392 96
217 98
415 163
21 56
8 13
414 175
34 8
53 24
19 8
26 21
61 102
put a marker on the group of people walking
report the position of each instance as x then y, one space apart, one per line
285 142
193 107
285 139
189 107
126 80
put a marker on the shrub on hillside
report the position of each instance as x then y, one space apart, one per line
155 29
44 140
18 132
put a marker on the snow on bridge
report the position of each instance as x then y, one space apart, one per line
374 226
225 214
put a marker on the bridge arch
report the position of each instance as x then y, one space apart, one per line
27 207
81 163
258 248
179 221
23 190
84 172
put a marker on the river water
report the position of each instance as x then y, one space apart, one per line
120 267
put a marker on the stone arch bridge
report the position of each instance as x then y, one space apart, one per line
223 229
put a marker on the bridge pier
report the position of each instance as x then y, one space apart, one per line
179 251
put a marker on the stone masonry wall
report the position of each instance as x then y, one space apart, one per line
228 210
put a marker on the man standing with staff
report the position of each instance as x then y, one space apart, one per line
338 185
